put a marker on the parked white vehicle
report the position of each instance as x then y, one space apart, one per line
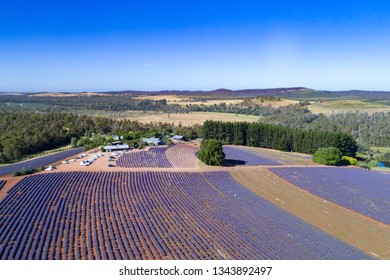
51 167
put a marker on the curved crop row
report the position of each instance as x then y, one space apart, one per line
153 215
2 183
152 158
177 156
363 191
182 156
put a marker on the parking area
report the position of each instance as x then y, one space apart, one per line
89 161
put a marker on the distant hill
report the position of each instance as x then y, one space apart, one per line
217 92
288 93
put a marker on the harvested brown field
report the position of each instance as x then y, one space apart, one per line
186 100
282 102
193 118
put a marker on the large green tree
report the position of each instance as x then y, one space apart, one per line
211 152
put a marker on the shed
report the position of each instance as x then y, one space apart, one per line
178 137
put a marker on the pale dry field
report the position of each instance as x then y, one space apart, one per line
346 106
60 94
208 102
184 100
193 118
169 98
283 102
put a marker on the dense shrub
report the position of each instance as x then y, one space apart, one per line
327 156
349 160
363 165
27 171
373 163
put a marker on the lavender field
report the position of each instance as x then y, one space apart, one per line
176 156
2 183
152 158
242 156
366 192
153 215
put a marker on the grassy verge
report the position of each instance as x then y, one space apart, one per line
382 150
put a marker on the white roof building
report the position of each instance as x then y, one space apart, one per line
111 148
152 140
178 137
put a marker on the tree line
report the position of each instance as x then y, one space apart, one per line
26 133
277 137
110 103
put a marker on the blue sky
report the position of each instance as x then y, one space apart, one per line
155 45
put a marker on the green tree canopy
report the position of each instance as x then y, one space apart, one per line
211 152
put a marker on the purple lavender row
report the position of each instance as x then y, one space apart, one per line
242 156
2 184
182 156
366 192
153 158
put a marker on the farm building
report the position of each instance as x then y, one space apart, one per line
178 138
118 147
152 141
